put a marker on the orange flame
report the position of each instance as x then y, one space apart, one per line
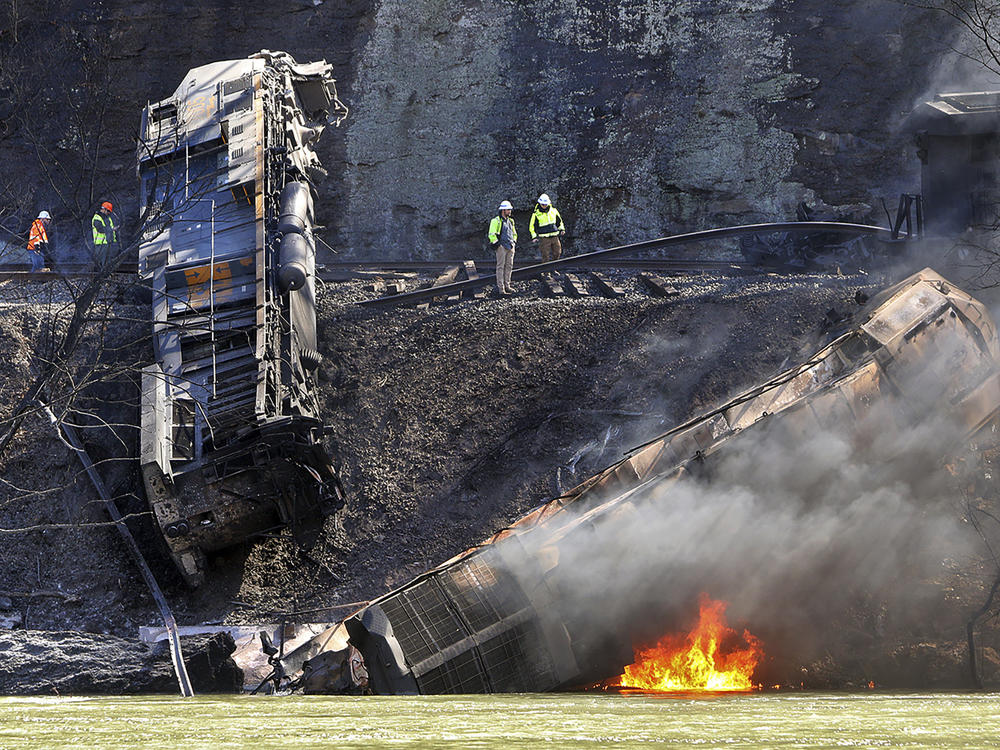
693 662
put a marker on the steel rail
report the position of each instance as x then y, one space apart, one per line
389 265
589 258
68 432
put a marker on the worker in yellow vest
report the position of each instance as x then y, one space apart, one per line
503 239
105 233
546 227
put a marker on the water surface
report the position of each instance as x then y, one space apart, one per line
633 720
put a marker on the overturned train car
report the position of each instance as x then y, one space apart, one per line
231 438
499 618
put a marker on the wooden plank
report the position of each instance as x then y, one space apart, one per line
447 276
455 296
377 286
552 285
658 285
607 286
395 287
472 273
574 286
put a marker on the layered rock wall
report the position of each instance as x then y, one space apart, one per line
639 118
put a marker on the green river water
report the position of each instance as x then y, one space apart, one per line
762 720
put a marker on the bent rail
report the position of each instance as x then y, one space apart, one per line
585 258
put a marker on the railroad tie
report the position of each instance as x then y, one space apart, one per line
550 282
471 273
574 286
658 285
608 288
445 277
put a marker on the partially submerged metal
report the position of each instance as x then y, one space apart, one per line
494 618
231 435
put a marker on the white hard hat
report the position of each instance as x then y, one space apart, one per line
44 215
543 200
505 205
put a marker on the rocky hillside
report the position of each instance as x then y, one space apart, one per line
639 118
449 423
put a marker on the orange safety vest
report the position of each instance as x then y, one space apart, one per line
37 234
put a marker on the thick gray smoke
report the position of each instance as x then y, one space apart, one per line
799 533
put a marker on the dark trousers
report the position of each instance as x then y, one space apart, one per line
40 256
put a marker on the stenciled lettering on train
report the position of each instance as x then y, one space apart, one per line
232 444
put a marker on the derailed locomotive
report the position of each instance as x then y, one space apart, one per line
502 618
231 440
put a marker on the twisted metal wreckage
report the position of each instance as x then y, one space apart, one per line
498 617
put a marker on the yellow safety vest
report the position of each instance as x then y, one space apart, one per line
496 225
110 233
549 222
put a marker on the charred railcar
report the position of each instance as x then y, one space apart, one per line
501 617
232 443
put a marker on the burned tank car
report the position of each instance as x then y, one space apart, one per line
503 616
231 441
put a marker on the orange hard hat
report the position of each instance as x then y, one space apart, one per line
107 205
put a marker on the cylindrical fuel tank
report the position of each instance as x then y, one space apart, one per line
294 208
294 255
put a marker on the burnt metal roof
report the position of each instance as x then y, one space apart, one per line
959 113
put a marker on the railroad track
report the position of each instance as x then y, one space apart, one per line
23 272
331 269
613 256
445 286
662 264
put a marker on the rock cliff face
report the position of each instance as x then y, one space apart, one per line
639 118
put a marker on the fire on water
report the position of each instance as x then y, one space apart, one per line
693 661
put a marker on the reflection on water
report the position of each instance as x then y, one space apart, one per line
632 719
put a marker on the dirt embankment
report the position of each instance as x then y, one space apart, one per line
449 423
